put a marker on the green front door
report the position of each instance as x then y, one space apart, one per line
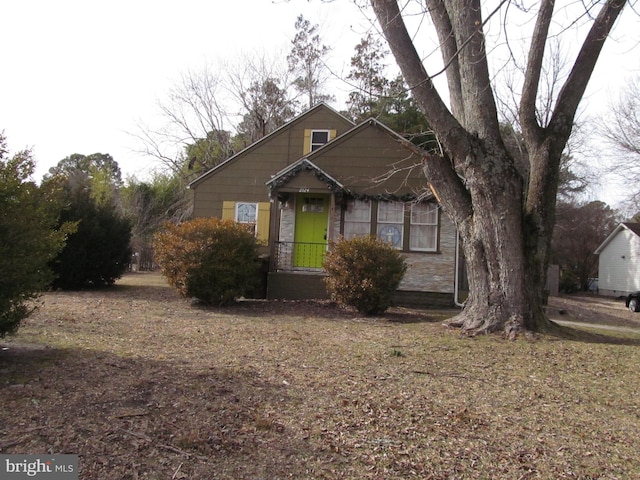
312 221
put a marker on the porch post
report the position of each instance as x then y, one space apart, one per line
332 211
273 231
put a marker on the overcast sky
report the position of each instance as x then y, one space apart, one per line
78 74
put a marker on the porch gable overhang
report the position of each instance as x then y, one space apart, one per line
304 165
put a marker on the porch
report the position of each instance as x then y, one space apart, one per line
298 257
296 271
295 276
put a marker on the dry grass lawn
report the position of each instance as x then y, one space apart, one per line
144 385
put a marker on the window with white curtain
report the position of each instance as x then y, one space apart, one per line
424 227
357 219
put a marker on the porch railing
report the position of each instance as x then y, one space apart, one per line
301 256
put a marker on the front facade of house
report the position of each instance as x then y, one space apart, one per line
619 261
320 178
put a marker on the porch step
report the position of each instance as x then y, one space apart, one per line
296 286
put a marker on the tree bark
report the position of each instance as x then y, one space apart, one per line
505 220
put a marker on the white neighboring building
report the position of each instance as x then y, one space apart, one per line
619 261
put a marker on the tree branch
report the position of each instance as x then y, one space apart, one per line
576 84
441 120
449 48
481 115
528 120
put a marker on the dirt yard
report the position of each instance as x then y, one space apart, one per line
144 385
592 309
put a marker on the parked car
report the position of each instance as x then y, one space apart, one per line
633 301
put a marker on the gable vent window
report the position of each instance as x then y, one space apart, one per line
314 139
319 138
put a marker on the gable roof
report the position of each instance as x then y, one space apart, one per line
634 227
316 157
355 130
630 226
264 139
304 164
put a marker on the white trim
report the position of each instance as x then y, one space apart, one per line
318 145
296 164
436 225
611 236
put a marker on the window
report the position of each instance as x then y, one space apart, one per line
391 223
357 219
247 213
319 138
255 215
424 227
313 205
314 139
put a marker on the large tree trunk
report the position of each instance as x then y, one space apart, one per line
505 215
505 260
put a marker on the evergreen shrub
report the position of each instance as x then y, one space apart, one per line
28 238
98 252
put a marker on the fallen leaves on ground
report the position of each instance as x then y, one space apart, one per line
145 385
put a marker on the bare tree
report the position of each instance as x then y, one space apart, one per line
259 84
504 218
208 114
621 129
580 228
194 111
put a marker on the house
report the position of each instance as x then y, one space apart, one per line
319 178
619 261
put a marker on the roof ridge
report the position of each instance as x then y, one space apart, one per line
261 140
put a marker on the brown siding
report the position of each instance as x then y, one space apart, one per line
296 286
305 180
244 178
361 160
433 272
